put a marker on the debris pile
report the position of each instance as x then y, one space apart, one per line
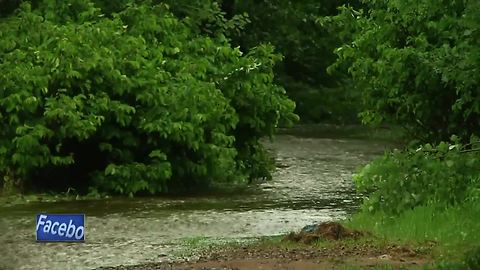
322 231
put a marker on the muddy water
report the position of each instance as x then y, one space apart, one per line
312 183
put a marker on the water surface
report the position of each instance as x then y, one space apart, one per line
312 184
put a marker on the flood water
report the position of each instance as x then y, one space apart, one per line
312 184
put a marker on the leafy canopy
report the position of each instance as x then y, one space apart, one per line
308 46
417 64
133 102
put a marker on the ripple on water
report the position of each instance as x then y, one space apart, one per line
313 184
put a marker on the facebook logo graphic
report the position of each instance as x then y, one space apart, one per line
60 227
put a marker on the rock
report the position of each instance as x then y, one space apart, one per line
310 228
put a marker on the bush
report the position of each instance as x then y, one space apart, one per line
133 102
416 62
442 175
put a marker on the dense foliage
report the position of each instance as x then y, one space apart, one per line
137 100
308 46
416 62
443 175
290 26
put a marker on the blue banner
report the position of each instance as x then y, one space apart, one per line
60 227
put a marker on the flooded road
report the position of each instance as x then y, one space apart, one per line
312 184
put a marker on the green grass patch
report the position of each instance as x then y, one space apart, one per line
452 232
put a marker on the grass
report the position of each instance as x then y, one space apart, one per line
447 235
451 236
454 227
18 199
453 232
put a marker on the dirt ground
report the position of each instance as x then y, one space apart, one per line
341 248
337 256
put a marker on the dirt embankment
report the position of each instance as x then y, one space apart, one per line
336 254
328 231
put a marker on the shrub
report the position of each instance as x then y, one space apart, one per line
443 175
134 102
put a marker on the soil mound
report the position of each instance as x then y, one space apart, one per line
323 231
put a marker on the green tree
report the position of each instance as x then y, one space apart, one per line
417 64
308 46
131 102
